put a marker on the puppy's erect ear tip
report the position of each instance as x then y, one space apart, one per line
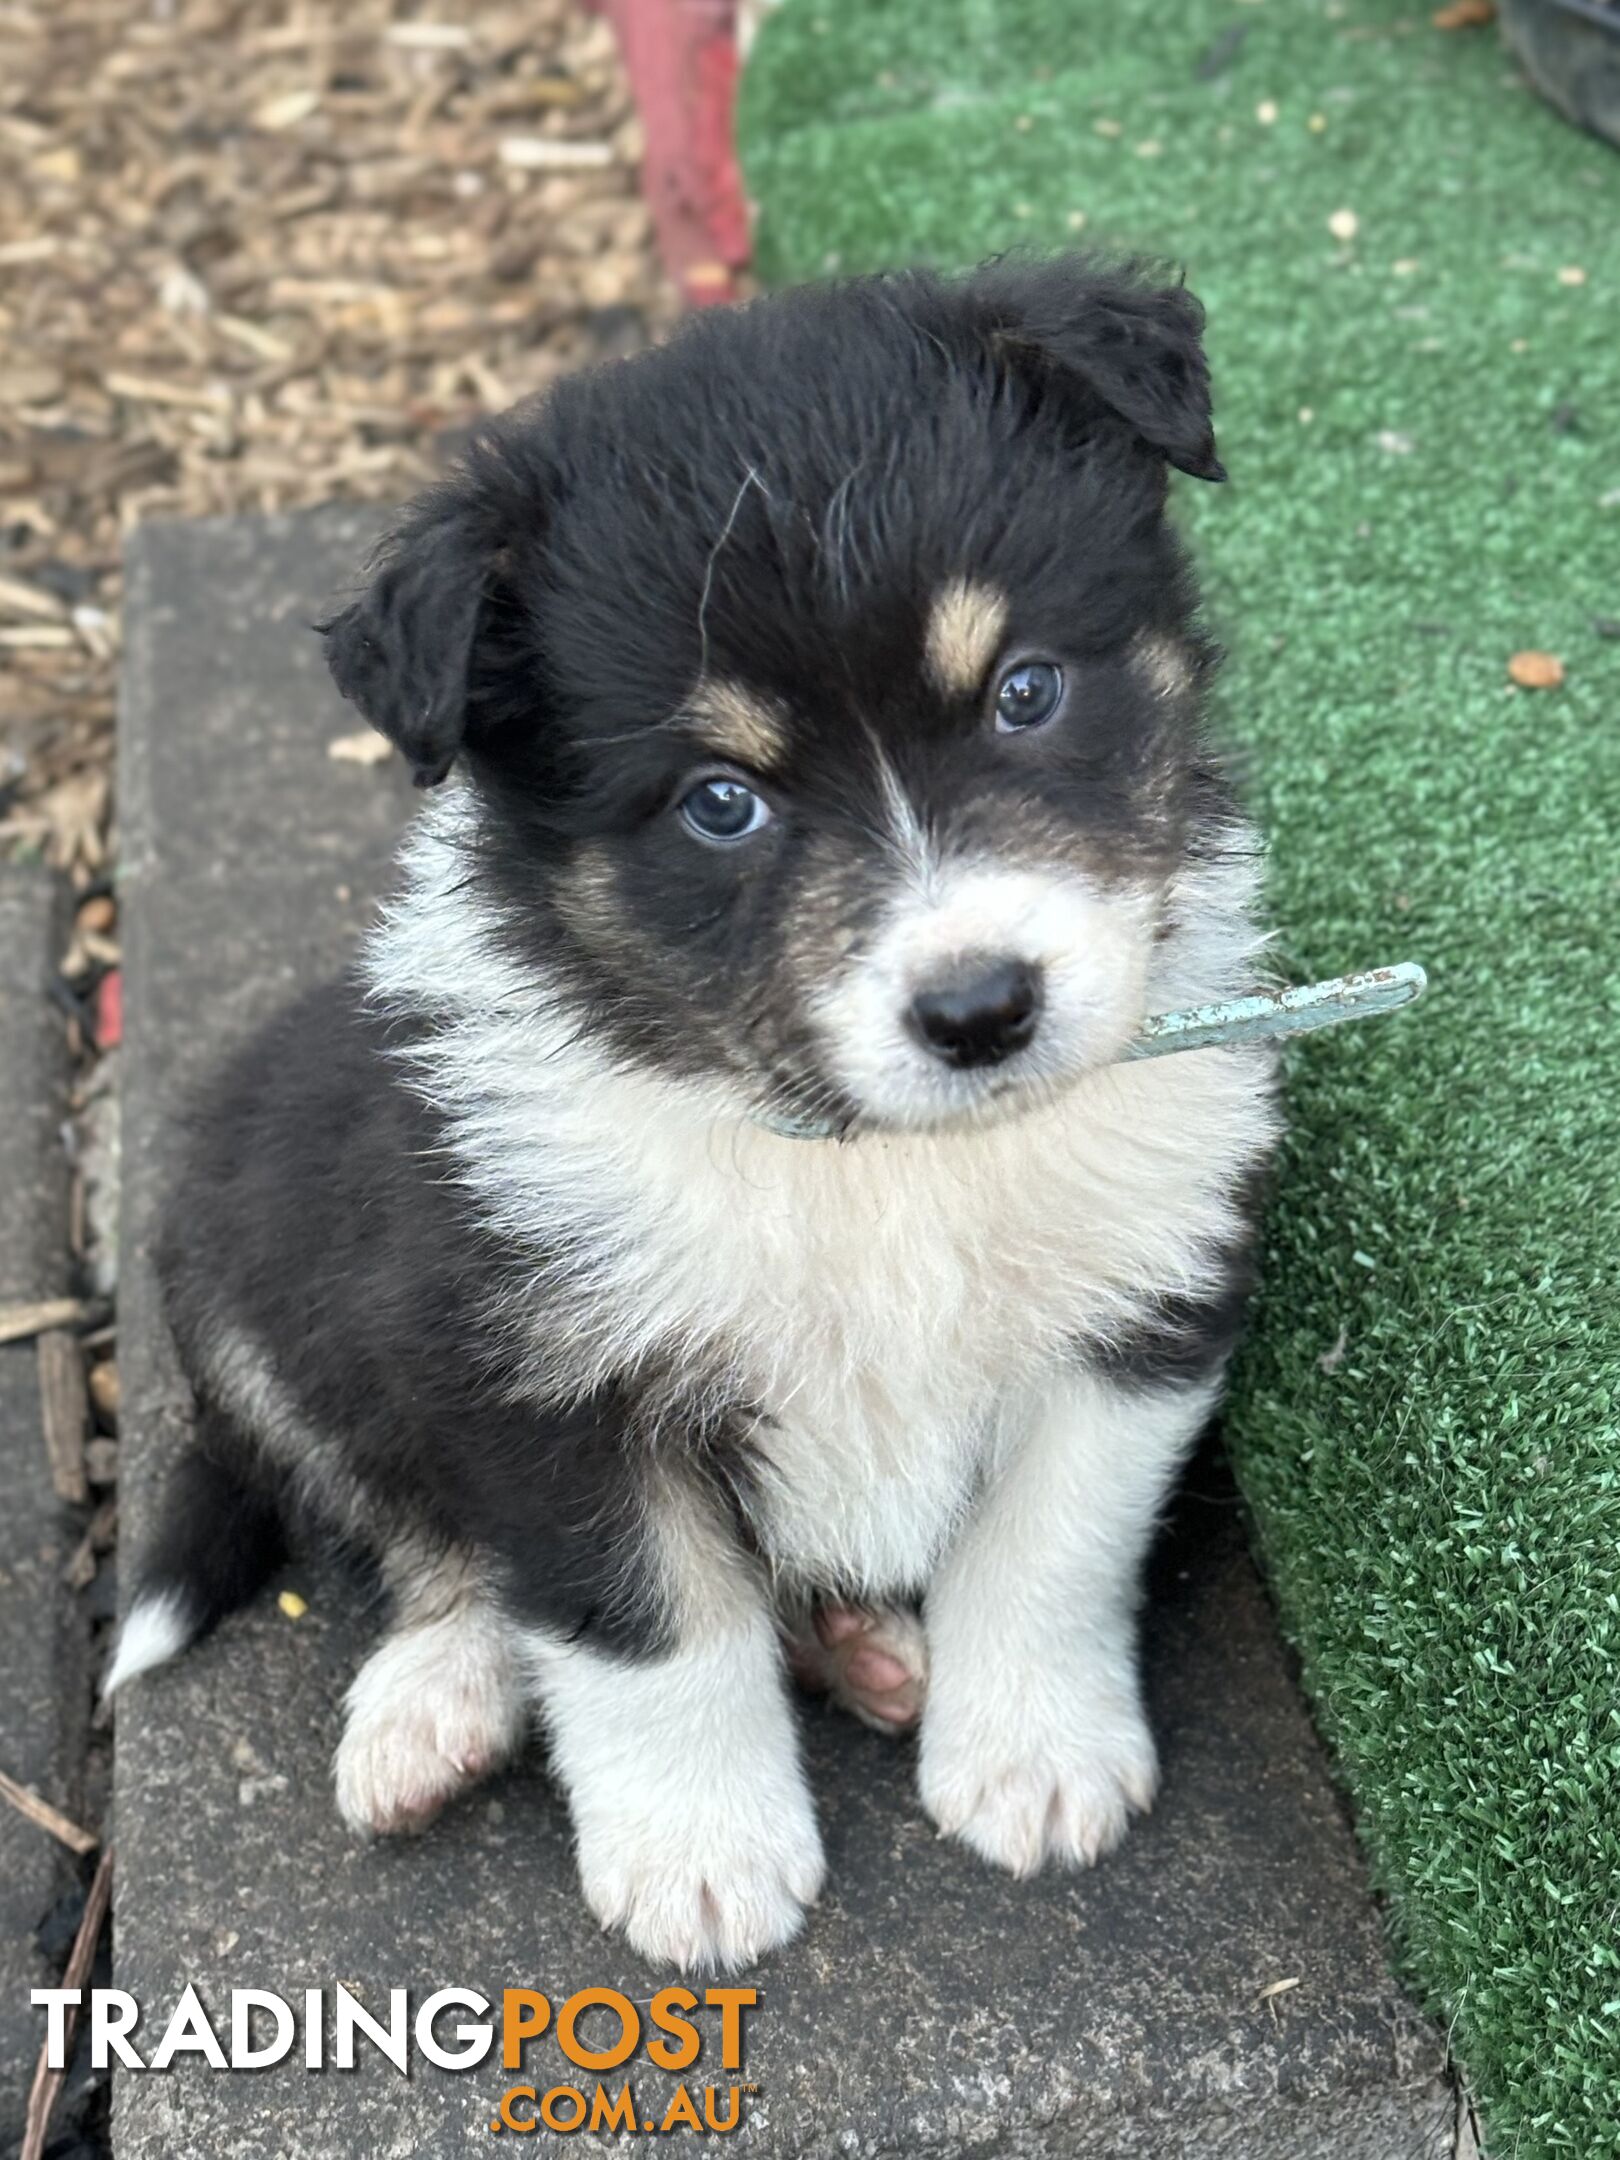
1122 338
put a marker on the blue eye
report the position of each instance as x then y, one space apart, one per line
1028 695
724 810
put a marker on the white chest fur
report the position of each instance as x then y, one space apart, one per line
883 1303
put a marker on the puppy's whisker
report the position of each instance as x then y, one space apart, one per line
750 479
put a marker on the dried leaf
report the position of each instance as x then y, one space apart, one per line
1536 670
364 747
104 1389
286 111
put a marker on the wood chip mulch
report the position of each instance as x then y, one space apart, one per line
255 256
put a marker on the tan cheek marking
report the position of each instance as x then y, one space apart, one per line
587 898
736 723
965 628
821 930
1166 665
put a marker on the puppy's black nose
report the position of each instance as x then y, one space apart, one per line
980 1014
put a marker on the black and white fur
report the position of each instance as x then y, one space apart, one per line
611 1254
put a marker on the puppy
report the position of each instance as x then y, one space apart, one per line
717 1224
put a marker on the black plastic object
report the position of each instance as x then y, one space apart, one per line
1570 49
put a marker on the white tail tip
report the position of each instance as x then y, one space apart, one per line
156 1629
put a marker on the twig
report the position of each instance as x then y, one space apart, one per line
48 2082
18 1322
64 1404
28 1803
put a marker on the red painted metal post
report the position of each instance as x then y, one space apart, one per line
681 56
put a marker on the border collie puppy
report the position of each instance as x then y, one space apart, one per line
715 1231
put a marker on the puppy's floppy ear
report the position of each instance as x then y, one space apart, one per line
403 652
1107 331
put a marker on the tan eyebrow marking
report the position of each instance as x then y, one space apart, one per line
965 627
737 723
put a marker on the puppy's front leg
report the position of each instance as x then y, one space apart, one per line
1034 1742
695 1827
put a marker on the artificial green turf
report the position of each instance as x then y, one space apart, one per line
1423 429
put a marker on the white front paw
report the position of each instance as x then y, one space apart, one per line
400 1761
705 1884
1026 1782
431 1711
693 1820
